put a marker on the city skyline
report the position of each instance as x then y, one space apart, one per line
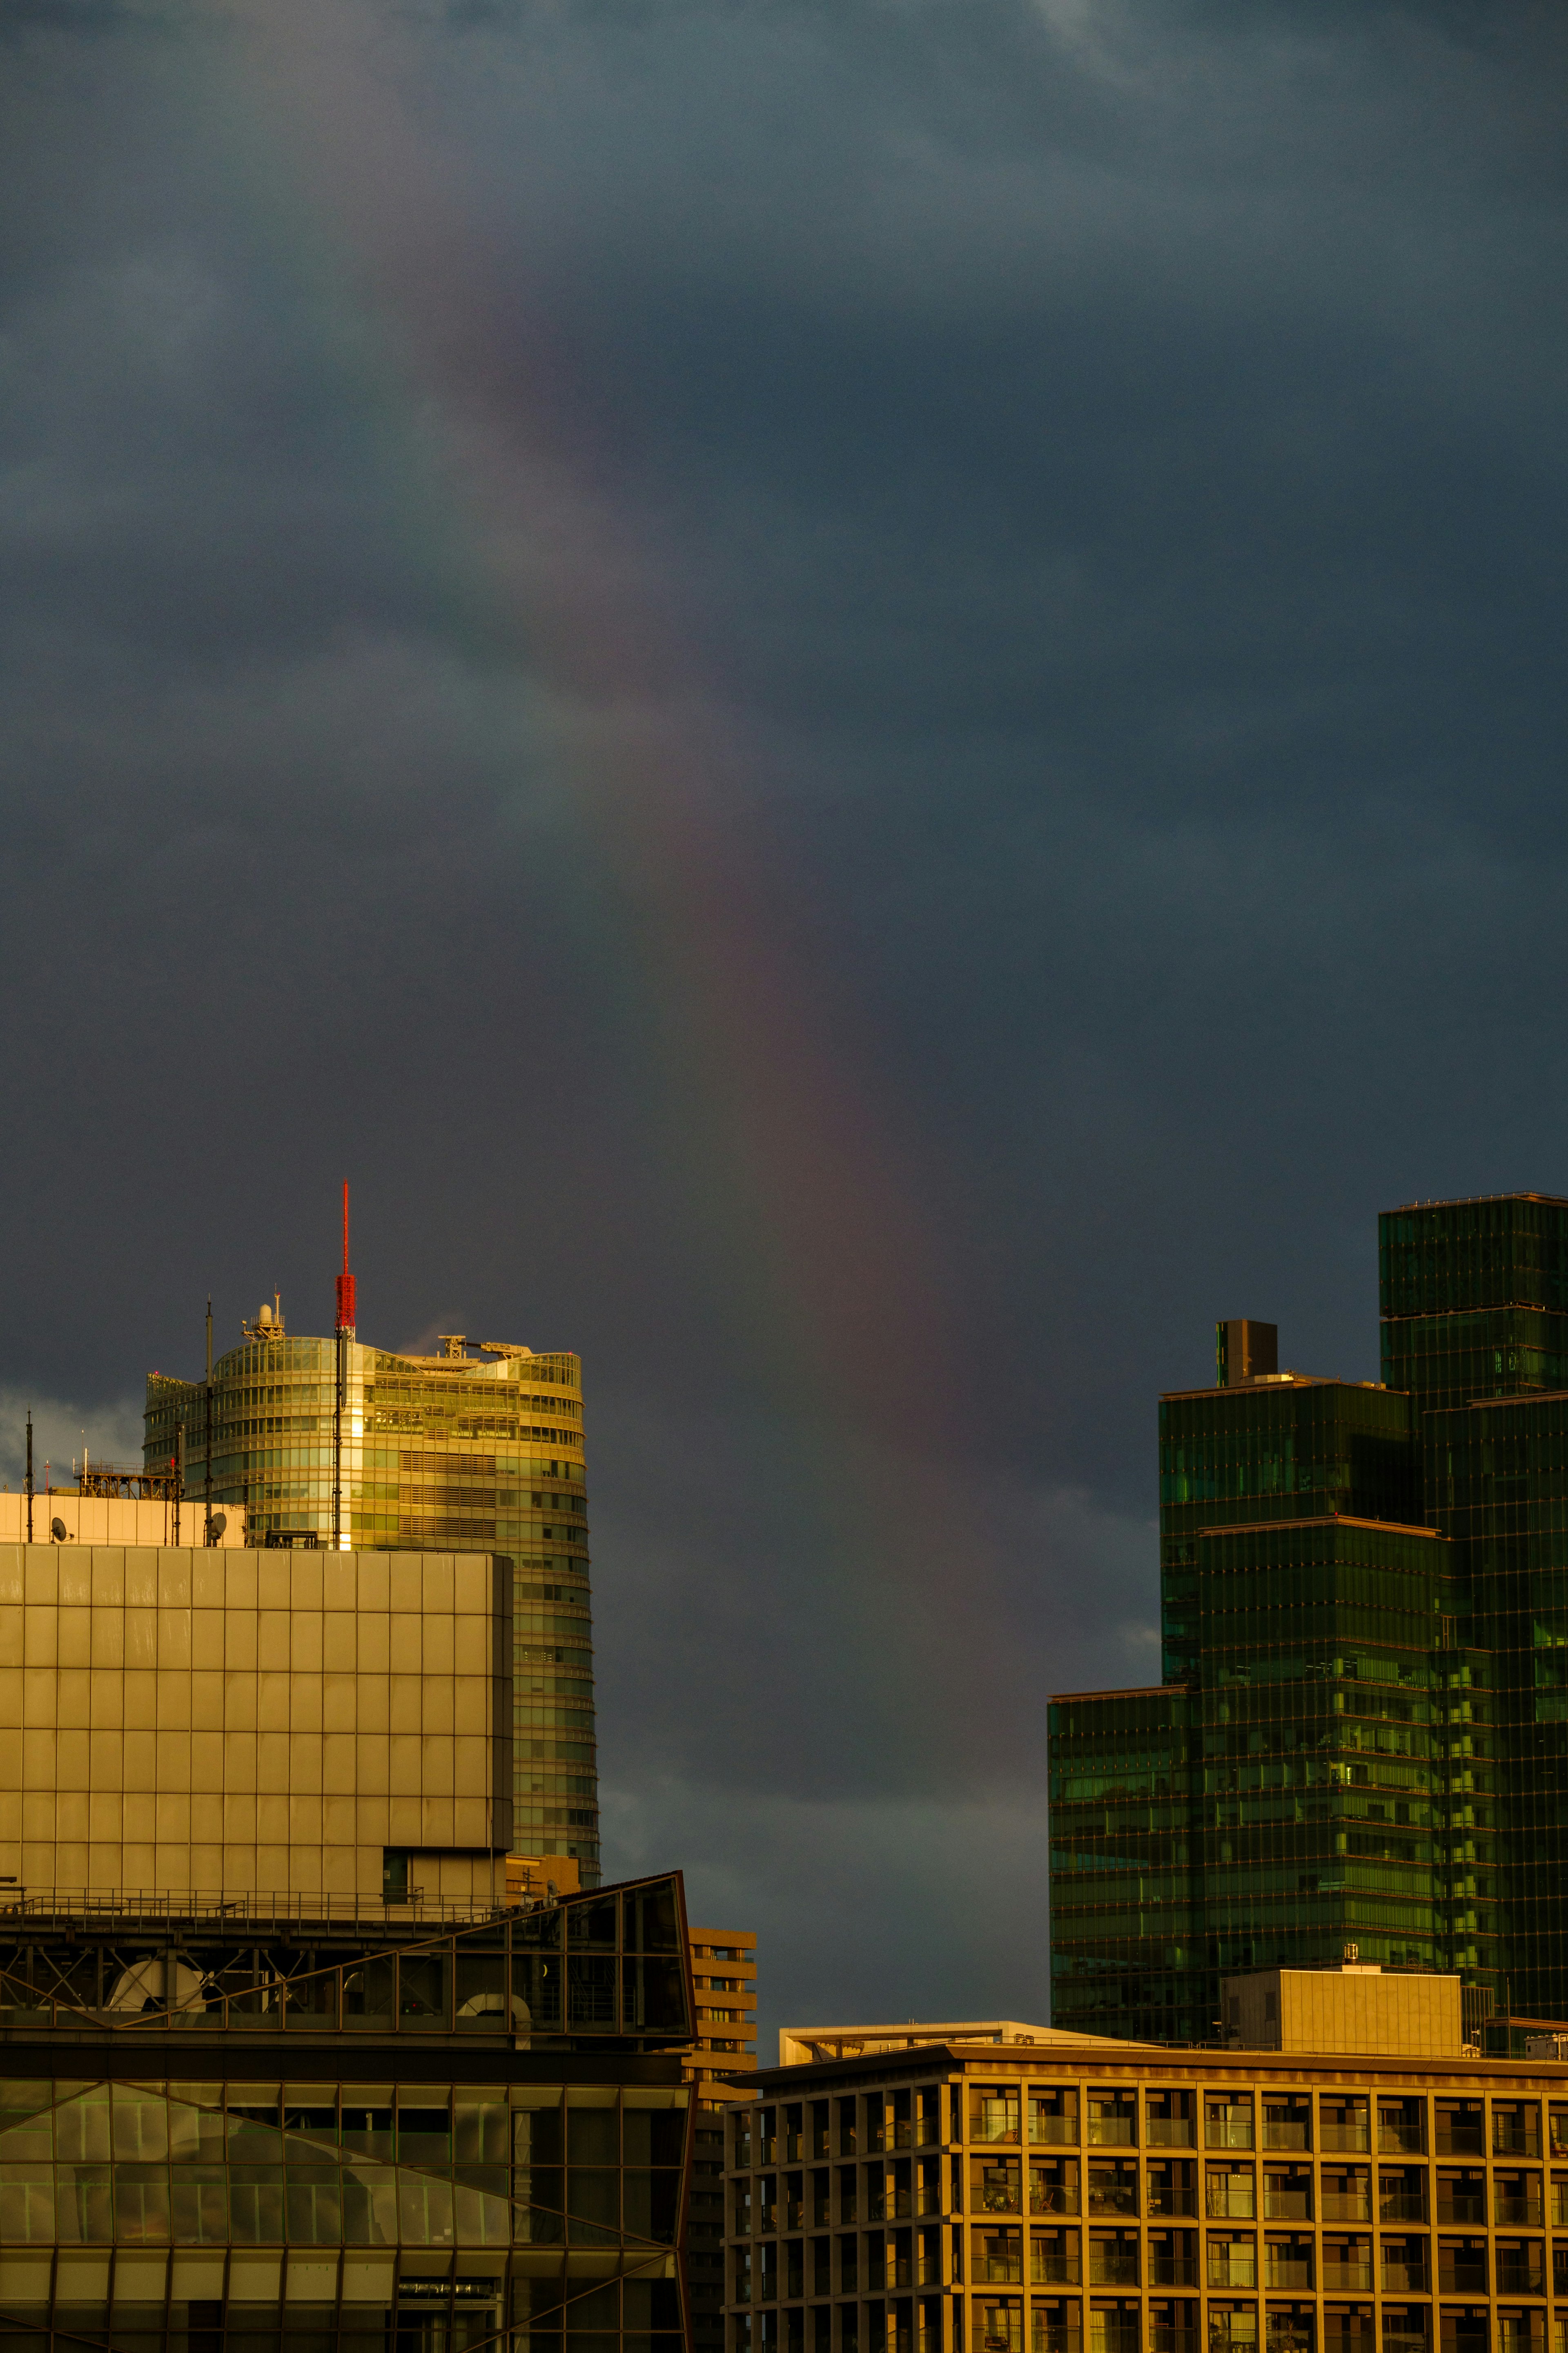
863 706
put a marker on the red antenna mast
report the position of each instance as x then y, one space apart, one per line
345 1280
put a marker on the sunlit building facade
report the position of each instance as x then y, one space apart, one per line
455 1452
1124 2199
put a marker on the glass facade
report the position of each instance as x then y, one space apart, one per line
1475 1301
275 2133
1364 1619
1283 1451
1126 1938
437 1453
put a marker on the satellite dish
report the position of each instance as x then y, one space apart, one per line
217 1524
58 1530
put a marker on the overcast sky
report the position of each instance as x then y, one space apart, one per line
863 702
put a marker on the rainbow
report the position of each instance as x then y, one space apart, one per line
822 1251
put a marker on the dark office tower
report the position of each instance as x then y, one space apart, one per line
1475 1304
1281 1448
1475 1297
1306 1776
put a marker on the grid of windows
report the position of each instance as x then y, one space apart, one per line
1176 2205
1375 1747
136 2214
438 1453
1297 1450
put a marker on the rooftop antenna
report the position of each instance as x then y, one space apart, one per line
207 1424
29 1474
344 1333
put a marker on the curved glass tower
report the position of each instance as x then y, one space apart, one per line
456 1452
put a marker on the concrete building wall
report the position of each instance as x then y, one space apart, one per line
1361 2010
117 1520
251 1723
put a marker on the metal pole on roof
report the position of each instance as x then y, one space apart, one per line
208 1432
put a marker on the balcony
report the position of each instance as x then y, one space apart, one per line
1292 2205
994 2120
1521 2271
1050 2131
1404 2274
1171 2131
997 2198
1348 2278
1231 2201
1006 2268
1352 2133
1232 2267
1287 2129
1113 2198
1516 2136
1228 2128
1286 2271
1055 2267
1053 2198
1400 2132
1113 2332
1114 2266
1169 2270
1347 2205
1112 2131
1459 2136
1461 2273
1514 2213
1467 2210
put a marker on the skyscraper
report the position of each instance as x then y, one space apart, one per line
1362 1732
455 1452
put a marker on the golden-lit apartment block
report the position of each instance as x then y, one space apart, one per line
725 1974
724 2016
235 1723
1136 2199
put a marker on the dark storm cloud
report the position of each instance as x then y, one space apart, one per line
1104 464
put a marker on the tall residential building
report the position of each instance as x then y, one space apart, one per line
1362 1732
724 2019
724 1972
455 1452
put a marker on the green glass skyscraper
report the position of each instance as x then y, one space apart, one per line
1362 1732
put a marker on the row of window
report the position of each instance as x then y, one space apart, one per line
887 2190
894 2323
1403 2123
